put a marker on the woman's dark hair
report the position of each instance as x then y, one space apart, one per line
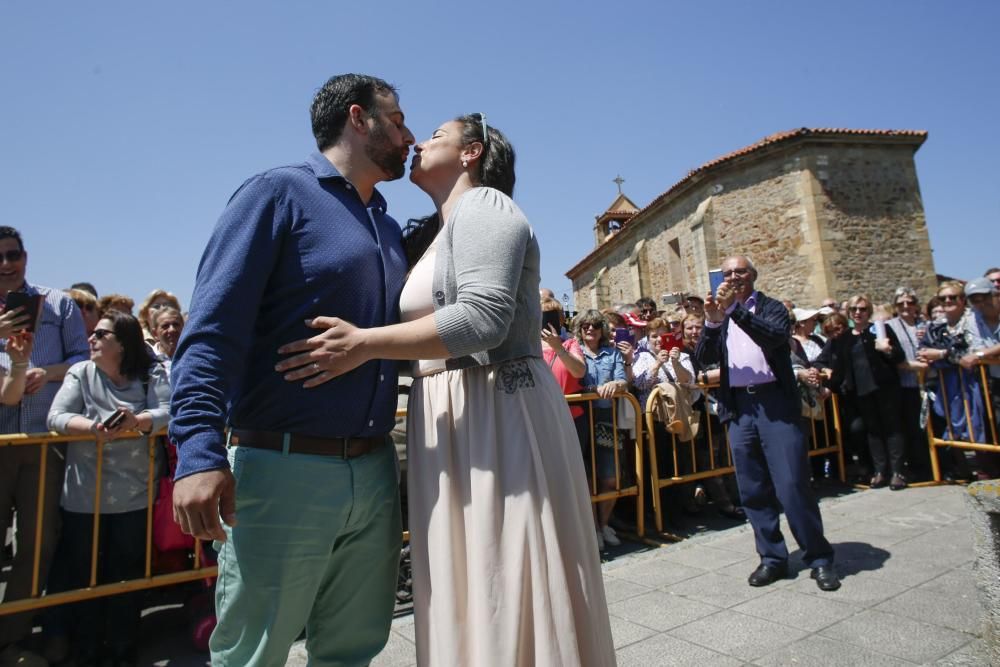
330 106
495 169
136 359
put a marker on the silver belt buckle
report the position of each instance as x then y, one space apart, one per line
751 389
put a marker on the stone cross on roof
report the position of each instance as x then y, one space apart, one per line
618 180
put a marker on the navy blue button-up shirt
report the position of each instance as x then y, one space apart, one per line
294 243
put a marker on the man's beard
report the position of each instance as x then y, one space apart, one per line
384 154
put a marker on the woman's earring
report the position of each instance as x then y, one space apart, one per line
465 164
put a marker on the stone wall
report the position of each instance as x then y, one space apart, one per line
817 220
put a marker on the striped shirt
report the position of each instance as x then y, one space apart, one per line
60 338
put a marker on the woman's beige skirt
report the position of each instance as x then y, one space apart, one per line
505 562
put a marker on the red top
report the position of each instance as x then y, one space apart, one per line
569 384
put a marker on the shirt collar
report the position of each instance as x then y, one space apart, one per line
751 301
323 168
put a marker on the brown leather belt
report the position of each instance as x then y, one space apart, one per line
345 448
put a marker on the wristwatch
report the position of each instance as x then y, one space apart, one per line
980 355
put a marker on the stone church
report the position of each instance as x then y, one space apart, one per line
821 212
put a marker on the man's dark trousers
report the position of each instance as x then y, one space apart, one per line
772 467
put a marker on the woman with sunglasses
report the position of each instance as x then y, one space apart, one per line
861 367
909 327
118 392
958 401
502 536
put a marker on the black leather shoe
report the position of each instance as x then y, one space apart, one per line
735 513
767 574
826 578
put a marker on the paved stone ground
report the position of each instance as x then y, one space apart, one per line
908 596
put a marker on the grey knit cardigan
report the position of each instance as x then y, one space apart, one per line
486 275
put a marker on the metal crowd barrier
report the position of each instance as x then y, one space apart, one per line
198 571
634 490
954 435
43 441
828 426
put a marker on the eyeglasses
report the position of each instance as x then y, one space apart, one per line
858 309
158 305
99 334
647 310
735 272
979 298
949 298
12 255
906 302
481 117
590 325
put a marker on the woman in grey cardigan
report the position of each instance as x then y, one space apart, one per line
502 535
115 393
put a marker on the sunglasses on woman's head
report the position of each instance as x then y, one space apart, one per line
481 117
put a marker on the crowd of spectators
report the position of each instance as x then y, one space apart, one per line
92 366
896 368
85 365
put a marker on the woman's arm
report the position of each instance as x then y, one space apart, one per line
573 359
19 350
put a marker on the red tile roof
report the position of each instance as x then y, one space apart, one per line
918 137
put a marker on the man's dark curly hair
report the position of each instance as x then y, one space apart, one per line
329 107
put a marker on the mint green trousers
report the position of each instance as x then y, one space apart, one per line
316 546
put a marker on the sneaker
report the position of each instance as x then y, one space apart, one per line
600 541
610 536
15 656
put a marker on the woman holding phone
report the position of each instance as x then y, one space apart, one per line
117 392
505 564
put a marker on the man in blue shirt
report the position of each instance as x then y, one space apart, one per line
304 479
60 342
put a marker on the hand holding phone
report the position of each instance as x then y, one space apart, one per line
624 335
29 309
116 418
670 341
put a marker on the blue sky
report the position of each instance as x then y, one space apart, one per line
126 126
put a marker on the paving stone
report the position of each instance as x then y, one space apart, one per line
805 612
703 557
625 632
738 635
664 650
891 531
398 652
960 580
817 650
905 570
859 590
973 654
661 611
897 636
738 544
407 630
657 573
616 590
956 610
715 589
